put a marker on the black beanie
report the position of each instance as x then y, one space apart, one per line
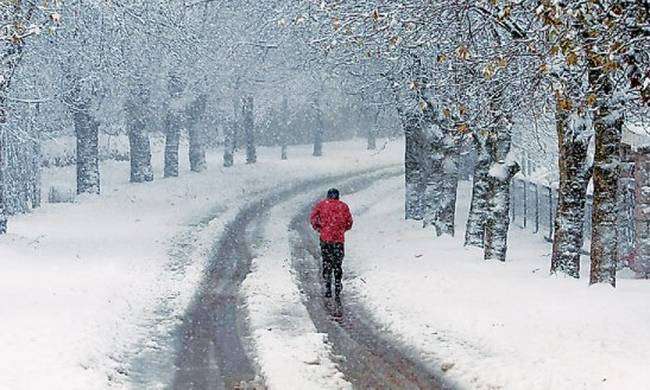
333 193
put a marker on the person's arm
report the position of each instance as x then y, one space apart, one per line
348 218
314 218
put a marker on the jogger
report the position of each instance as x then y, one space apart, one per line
332 218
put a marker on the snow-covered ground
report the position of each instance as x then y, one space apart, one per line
84 285
493 325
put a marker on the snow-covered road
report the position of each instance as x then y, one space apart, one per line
214 349
93 290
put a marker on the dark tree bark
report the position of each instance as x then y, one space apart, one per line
372 132
139 145
24 178
447 219
248 122
318 129
172 142
230 134
414 167
475 231
441 178
575 174
284 130
497 222
196 134
36 173
627 201
229 144
12 56
3 160
87 133
173 126
608 125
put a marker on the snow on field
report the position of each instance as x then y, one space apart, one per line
82 284
490 325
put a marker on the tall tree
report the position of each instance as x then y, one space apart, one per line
608 126
196 133
414 167
318 128
575 173
22 20
173 125
284 127
139 144
248 122
475 229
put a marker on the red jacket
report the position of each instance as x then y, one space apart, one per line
331 218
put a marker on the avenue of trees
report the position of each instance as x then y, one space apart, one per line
201 72
463 72
450 76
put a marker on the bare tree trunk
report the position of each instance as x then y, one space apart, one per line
87 133
447 219
475 231
139 145
414 169
283 152
626 217
575 174
12 55
172 142
173 125
230 135
284 128
196 134
608 124
318 130
372 132
140 148
36 173
23 186
497 222
441 180
229 144
249 129
433 179
3 163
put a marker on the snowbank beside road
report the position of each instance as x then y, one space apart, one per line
492 325
85 285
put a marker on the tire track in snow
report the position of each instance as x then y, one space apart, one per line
213 337
368 360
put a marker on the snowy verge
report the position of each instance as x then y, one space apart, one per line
292 354
490 325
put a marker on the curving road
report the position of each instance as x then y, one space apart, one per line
213 351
